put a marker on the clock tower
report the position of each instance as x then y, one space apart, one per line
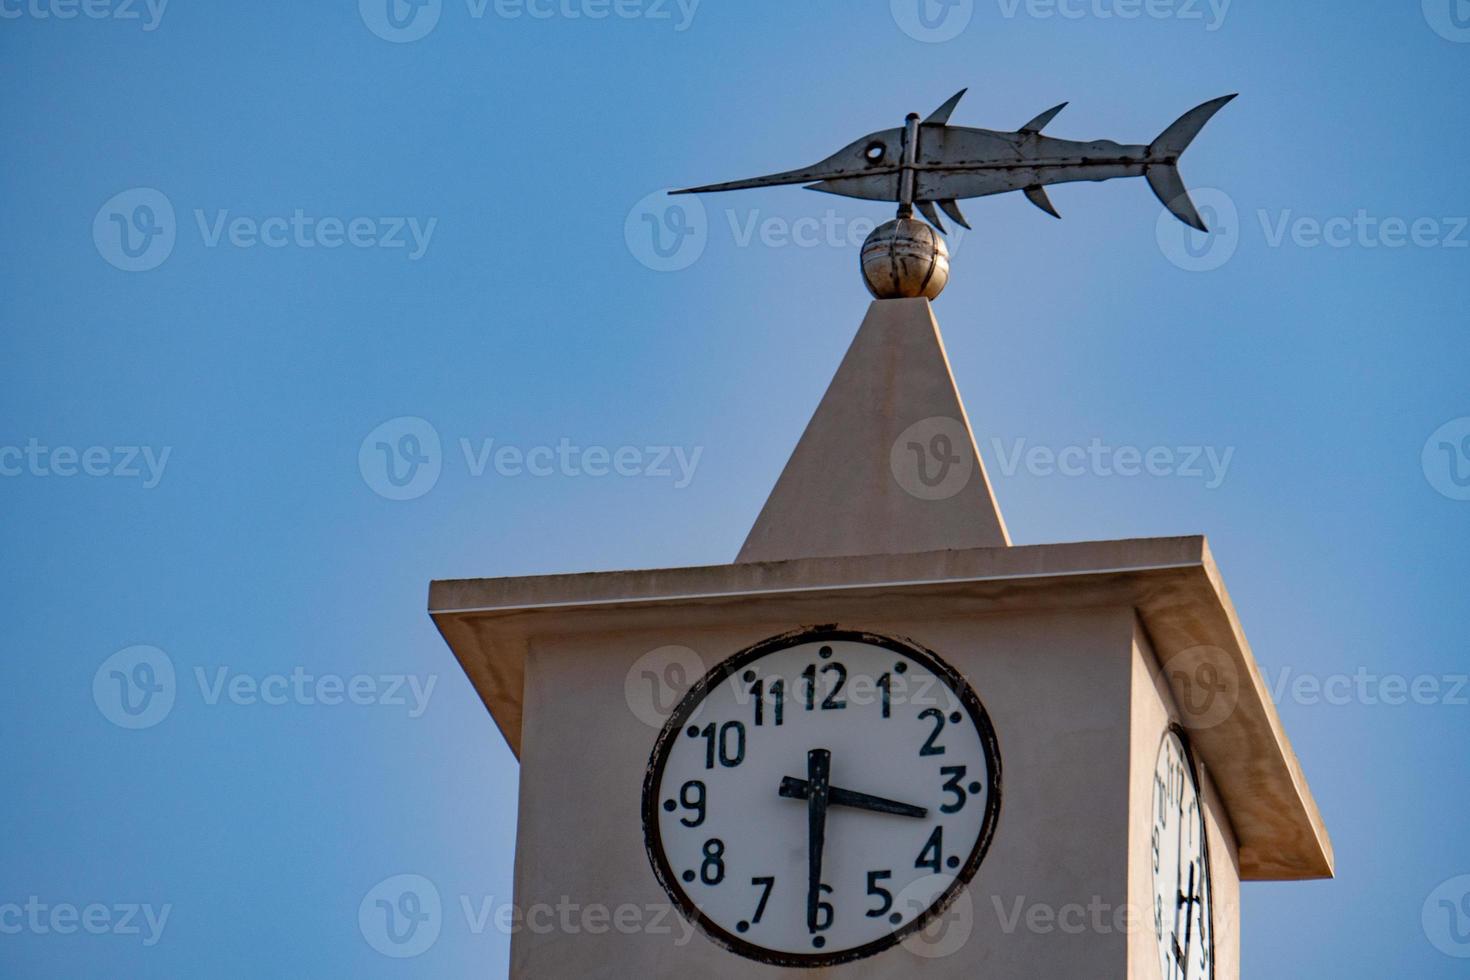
886 742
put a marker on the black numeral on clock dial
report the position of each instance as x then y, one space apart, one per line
932 855
931 745
778 701
883 895
712 868
727 742
834 700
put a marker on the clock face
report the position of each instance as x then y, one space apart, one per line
1181 867
818 797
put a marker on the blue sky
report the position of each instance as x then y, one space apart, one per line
369 226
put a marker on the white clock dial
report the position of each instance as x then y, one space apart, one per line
1181 867
816 798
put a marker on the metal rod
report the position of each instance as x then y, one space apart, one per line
906 171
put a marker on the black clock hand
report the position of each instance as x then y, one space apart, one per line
818 775
797 789
1188 901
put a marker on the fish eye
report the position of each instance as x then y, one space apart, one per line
875 151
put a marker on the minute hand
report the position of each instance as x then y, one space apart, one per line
799 789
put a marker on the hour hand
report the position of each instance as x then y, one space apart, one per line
799 789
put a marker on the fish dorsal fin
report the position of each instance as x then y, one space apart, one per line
940 116
1039 123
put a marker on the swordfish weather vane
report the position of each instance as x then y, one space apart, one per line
928 162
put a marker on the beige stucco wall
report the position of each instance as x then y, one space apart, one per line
1153 711
1059 687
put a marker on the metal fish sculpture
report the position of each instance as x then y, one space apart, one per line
929 162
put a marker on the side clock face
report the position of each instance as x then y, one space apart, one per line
1181 867
817 797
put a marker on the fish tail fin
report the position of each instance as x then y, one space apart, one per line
1173 141
1169 188
1163 167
